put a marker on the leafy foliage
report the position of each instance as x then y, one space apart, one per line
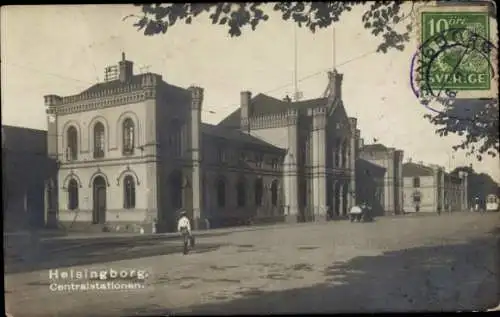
477 121
479 184
380 18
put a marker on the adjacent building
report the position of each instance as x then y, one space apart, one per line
380 175
25 169
320 143
429 188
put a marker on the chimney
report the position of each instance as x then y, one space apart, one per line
335 83
126 69
245 98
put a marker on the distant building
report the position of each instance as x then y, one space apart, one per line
380 175
25 169
431 189
132 150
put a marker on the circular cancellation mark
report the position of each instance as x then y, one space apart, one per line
453 60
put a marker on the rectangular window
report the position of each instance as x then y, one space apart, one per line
275 164
416 182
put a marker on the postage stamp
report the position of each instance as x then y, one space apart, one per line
457 56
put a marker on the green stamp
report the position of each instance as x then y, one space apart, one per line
452 51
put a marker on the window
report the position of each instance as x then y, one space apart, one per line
241 193
98 140
221 193
174 138
275 164
128 136
176 189
243 156
259 188
344 155
72 195
72 148
259 158
274 193
221 155
416 182
338 154
128 192
50 194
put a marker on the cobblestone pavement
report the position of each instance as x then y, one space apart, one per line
447 262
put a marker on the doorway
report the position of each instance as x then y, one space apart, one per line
99 206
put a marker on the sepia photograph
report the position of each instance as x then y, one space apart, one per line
250 158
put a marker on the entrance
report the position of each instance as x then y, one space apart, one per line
99 210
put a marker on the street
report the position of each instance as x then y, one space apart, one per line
406 263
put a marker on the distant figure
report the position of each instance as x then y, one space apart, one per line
476 204
288 99
355 213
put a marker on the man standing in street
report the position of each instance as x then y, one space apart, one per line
184 227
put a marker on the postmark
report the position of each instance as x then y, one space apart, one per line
459 67
455 59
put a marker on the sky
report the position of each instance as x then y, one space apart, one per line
64 49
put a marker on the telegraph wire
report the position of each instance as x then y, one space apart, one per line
208 110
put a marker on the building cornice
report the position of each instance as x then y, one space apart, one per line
87 101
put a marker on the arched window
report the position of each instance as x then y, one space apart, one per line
72 195
72 142
221 193
241 193
98 140
128 136
128 192
344 154
274 193
259 186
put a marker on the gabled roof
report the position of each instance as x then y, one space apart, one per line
238 136
369 169
21 139
263 104
413 169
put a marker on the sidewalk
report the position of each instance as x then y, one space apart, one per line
107 236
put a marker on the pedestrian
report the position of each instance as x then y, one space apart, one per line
184 227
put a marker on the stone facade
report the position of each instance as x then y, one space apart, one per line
132 151
380 171
431 189
320 145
